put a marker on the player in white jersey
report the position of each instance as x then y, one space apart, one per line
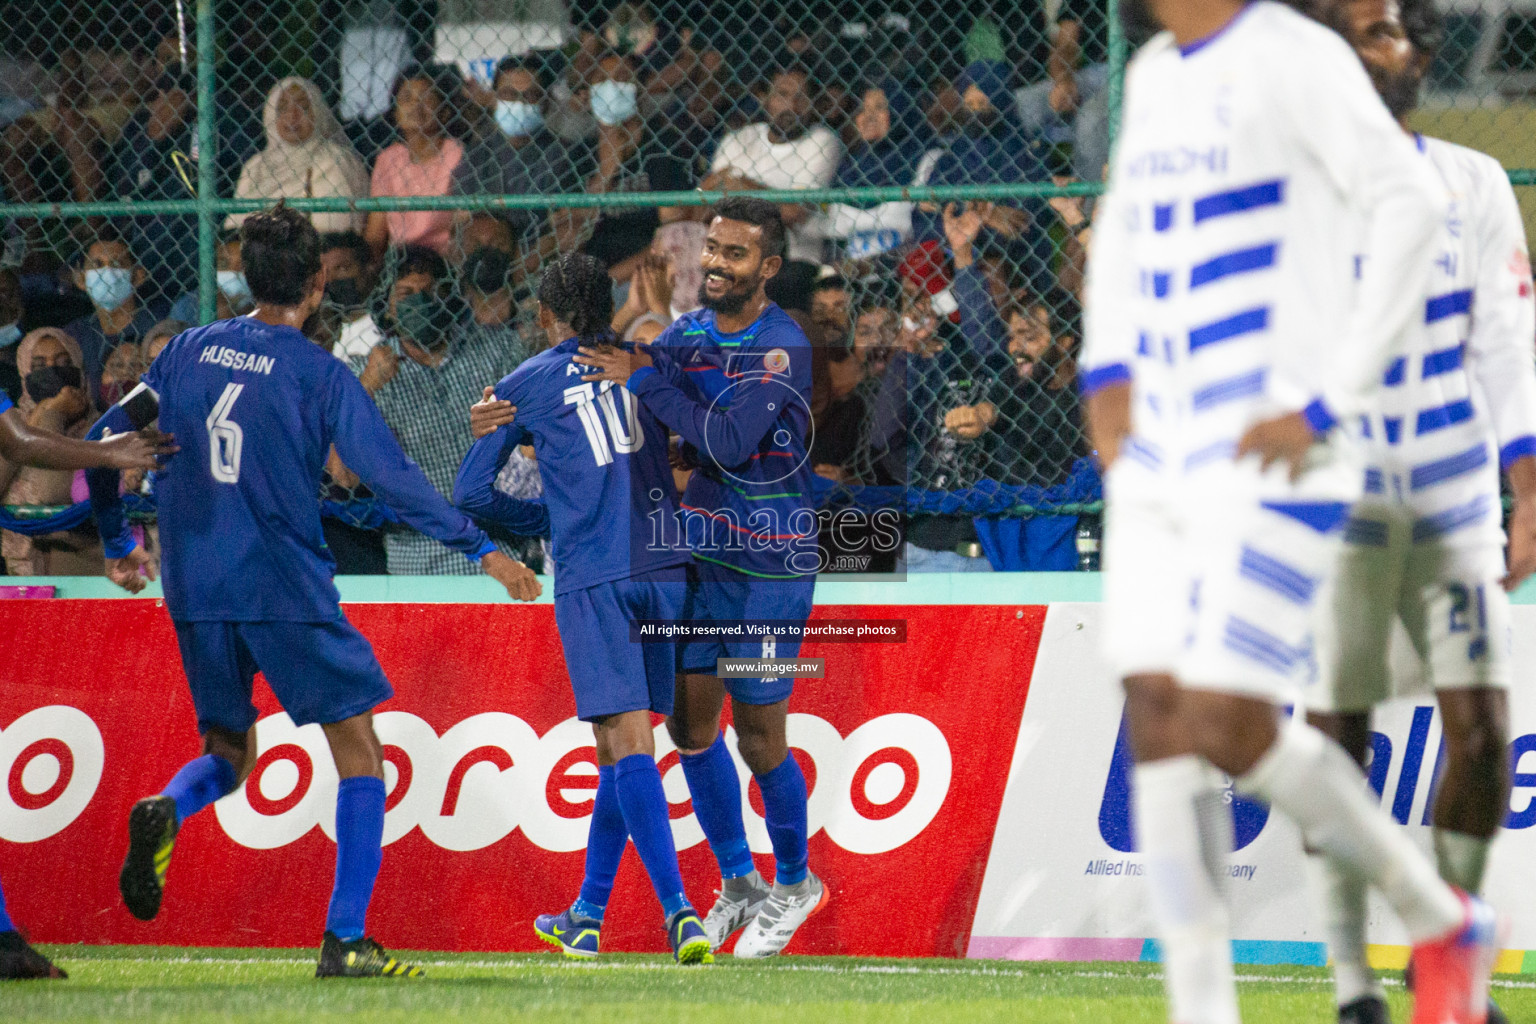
1231 339
1424 546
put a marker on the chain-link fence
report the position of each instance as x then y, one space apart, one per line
935 166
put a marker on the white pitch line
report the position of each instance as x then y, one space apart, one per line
781 966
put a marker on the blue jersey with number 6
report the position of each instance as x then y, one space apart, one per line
603 460
256 409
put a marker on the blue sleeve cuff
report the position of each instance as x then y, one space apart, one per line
1519 448
639 377
483 550
1102 377
1318 417
119 549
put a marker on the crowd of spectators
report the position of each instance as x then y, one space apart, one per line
945 333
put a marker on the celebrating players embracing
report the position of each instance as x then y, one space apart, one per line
734 380
603 460
1234 342
248 578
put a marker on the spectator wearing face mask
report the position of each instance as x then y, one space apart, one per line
516 154
486 280
420 377
307 156
234 294
11 314
346 259
630 154
427 101
111 277
788 150
53 398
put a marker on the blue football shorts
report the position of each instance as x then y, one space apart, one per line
611 672
319 671
717 593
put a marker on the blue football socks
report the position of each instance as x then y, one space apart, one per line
716 791
606 838
644 804
784 803
200 782
359 852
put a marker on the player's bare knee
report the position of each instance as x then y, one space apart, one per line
1230 731
355 747
691 737
762 752
624 735
1481 746
1476 724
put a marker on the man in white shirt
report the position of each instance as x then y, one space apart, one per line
1233 343
785 152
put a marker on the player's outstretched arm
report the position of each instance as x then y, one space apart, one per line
365 443
1108 410
474 489
730 435
24 445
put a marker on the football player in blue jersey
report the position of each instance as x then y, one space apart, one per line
24 445
607 483
734 380
248 578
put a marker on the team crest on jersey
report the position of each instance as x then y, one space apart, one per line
776 361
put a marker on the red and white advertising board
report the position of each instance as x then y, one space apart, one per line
490 782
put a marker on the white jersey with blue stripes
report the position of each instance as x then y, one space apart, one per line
1460 399
1251 169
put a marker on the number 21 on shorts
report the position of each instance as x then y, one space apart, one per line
225 437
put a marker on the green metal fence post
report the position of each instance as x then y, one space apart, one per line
207 156
1117 58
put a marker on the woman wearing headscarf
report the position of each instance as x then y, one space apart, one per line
884 154
307 156
53 398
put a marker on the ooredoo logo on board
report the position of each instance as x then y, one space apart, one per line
872 791
50 765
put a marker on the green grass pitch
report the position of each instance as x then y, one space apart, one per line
146 983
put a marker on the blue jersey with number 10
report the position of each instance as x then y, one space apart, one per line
603 460
255 409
